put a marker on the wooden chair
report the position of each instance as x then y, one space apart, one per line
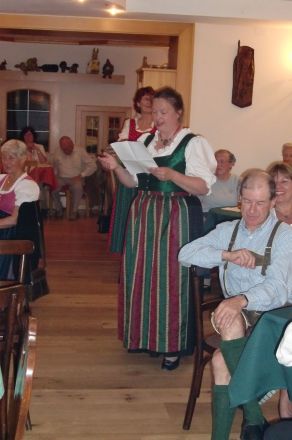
21 248
20 400
69 203
12 324
68 206
206 340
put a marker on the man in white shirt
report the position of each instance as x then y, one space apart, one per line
71 165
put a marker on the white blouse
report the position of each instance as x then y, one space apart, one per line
199 155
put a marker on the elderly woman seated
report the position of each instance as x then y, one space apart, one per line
16 187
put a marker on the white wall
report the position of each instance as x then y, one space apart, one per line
256 133
126 61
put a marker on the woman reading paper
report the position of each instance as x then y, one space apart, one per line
154 312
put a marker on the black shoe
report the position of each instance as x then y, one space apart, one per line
170 365
253 432
154 354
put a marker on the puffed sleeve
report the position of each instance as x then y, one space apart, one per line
26 190
124 134
200 160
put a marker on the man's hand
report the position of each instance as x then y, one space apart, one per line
242 257
228 310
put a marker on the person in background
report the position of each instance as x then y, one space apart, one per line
282 175
224 191
251 282
71 165
132 129
35 152
154 306
16 187
287 153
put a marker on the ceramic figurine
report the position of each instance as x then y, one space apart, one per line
63 66
31 65
93 65
74 68
3 65
107 69
50 67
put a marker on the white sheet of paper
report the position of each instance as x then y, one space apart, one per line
134 156
231 208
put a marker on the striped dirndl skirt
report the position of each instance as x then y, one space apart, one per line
154 310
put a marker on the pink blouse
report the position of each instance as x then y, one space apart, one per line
24 189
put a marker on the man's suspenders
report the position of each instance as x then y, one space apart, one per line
261 260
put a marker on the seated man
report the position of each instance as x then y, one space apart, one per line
71 165
287 153
224 192
254 278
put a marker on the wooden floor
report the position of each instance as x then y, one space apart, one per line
86 386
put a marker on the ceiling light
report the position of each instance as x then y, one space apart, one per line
114 8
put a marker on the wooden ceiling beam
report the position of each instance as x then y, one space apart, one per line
90 38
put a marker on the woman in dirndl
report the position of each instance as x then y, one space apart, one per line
132 129
155 307
16 187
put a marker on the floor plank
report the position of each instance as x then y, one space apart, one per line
86 385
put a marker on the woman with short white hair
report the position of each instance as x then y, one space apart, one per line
16 187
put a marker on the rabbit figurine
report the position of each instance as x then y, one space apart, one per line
93 65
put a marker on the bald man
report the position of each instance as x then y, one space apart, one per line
287 153
71 165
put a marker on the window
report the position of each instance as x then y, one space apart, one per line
98 126
28 107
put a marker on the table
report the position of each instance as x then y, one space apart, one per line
218 215
44 174
259 371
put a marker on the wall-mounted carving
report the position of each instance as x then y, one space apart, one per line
243 76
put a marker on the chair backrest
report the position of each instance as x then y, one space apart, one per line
206 299
19 404
21 248
206 340
11 302
12 324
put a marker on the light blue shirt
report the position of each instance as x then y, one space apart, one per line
223 193
263 292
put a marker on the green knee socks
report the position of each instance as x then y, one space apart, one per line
231 351
222 414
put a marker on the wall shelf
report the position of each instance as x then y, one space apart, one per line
16 75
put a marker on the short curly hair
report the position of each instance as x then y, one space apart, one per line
15 147
139 95
27 130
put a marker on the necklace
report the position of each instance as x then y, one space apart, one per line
164 142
